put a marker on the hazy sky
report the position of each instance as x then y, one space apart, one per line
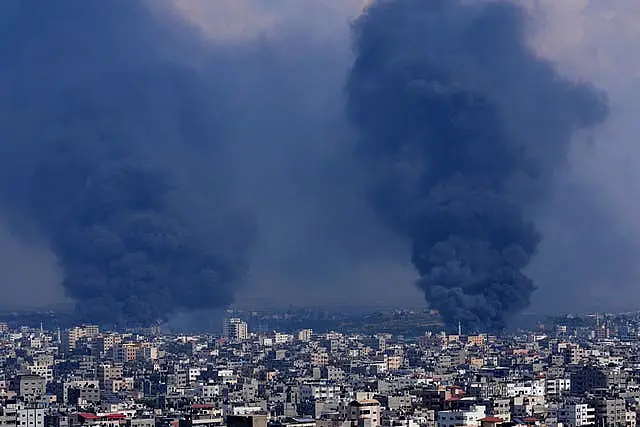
594 40
592 230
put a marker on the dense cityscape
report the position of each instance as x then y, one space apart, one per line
165 165
568 371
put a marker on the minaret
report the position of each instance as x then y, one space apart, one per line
459 328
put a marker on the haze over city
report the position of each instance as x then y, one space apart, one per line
246 135
319 213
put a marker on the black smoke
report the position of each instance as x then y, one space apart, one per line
104 126
462 127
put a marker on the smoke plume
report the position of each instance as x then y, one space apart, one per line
102 124
131 141
462 126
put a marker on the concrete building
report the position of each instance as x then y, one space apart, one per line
591 377
235 329
107 373
125 352
318 390
30 417
557 386
576 415
247 421
71 337
205 415
610 412
9 414
365 412
305 335
31 387
466 418
41 370
88 393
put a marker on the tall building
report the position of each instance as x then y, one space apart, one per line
610 411
125 352
30 416
72 336
30 387
577 415
107 341
365 412
305 335
235 329
90 331
107 373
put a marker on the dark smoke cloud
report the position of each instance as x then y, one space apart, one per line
462 127
291 167
106 133
253 125
248 117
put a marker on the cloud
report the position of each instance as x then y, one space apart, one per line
291 152
591 229
233 20
591 232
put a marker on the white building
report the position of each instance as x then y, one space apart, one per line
318 390
209 391
227 376
242 410
557 386
576 415
194 374
470 418
280 338
526 388
32 417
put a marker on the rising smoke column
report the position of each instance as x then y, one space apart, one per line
462 127
97 117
